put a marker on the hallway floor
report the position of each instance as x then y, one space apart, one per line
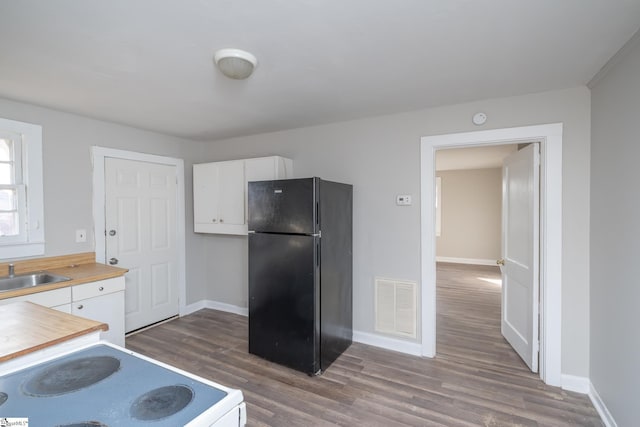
468 319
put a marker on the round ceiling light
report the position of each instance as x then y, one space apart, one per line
235 63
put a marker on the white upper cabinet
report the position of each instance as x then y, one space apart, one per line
230 193
205 193
268 168
220 191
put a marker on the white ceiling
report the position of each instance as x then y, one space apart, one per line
148 63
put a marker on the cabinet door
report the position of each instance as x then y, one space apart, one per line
108 309
260 169
205 193
65 308
49 299
231 192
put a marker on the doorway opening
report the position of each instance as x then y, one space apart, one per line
469 186
550 137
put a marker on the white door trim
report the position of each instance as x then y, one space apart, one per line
98 155
550 137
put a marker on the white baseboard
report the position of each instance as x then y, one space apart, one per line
214 305
472 261
192 308
602 409
584 385
229 308
401 346
576 383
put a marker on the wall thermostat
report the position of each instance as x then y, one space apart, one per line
479 118
403 199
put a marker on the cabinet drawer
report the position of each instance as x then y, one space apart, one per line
94 289
46 298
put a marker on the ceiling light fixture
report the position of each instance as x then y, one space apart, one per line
235 63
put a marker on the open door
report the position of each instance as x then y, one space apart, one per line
520 252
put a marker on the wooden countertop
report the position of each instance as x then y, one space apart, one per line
81 268
28 327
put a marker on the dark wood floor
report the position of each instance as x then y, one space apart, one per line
468 318
471 382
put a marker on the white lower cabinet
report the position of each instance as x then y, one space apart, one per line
102 301
65 308
51 299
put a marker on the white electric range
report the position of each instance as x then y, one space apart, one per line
106 385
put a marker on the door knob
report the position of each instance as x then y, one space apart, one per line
500 261
113 261
112 232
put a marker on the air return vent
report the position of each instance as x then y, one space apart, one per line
395 303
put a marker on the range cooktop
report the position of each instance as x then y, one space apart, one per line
105 386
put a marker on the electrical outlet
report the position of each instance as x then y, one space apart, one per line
81 236
403 199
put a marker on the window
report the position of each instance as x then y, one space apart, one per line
21 193
12 202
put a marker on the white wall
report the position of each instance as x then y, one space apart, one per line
471 214
380 157
67 141
615 238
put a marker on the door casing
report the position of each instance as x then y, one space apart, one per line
98 157
550 138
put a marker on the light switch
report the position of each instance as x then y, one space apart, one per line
403 199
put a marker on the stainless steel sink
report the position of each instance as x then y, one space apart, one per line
20 281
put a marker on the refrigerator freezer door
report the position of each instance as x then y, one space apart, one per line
283 206
283 296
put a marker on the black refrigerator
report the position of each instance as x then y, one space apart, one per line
300 271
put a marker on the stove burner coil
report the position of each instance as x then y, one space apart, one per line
161 402
85 424
71 376
3 397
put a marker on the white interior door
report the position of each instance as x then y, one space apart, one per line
520 252
141 231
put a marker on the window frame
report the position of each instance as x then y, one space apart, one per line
30 241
